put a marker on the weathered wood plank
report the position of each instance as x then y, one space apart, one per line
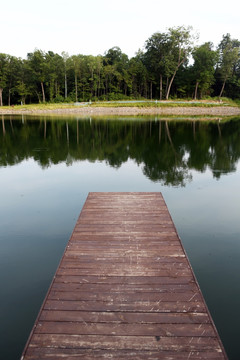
146 306
81 241
91 354
187 296
83 328
125 317
120 288
127 342
126 271
133 259
124 289
121 280
75 262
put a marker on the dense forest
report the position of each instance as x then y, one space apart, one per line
169 66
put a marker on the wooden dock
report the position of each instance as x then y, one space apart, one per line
124 289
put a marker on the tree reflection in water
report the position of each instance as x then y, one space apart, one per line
166 150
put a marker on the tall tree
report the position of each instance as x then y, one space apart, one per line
76 65
179 48
157 47
55 67
166 52
3 75
38 67
138 75
66 62
205 59
99 71
115 63
12 73
229 53
23 85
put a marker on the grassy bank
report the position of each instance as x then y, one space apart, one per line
181 103
167 103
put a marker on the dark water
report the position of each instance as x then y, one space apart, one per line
47 168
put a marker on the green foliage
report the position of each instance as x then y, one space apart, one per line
165 54
59 99
159 71
205 60
229 57
3 74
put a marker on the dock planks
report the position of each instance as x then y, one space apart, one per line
124 289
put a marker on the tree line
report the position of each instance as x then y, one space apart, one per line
170 65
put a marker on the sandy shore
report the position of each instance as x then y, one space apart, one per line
98 111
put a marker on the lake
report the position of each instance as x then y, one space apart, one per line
49 164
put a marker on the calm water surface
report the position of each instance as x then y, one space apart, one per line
47 168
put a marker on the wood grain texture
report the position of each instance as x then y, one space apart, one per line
124 289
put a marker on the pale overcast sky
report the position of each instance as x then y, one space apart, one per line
94 26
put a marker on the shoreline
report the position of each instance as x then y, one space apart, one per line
132 111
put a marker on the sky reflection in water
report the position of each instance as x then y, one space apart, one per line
47 169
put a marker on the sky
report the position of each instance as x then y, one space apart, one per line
92 27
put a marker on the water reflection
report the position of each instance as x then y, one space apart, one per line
41 202
166 150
